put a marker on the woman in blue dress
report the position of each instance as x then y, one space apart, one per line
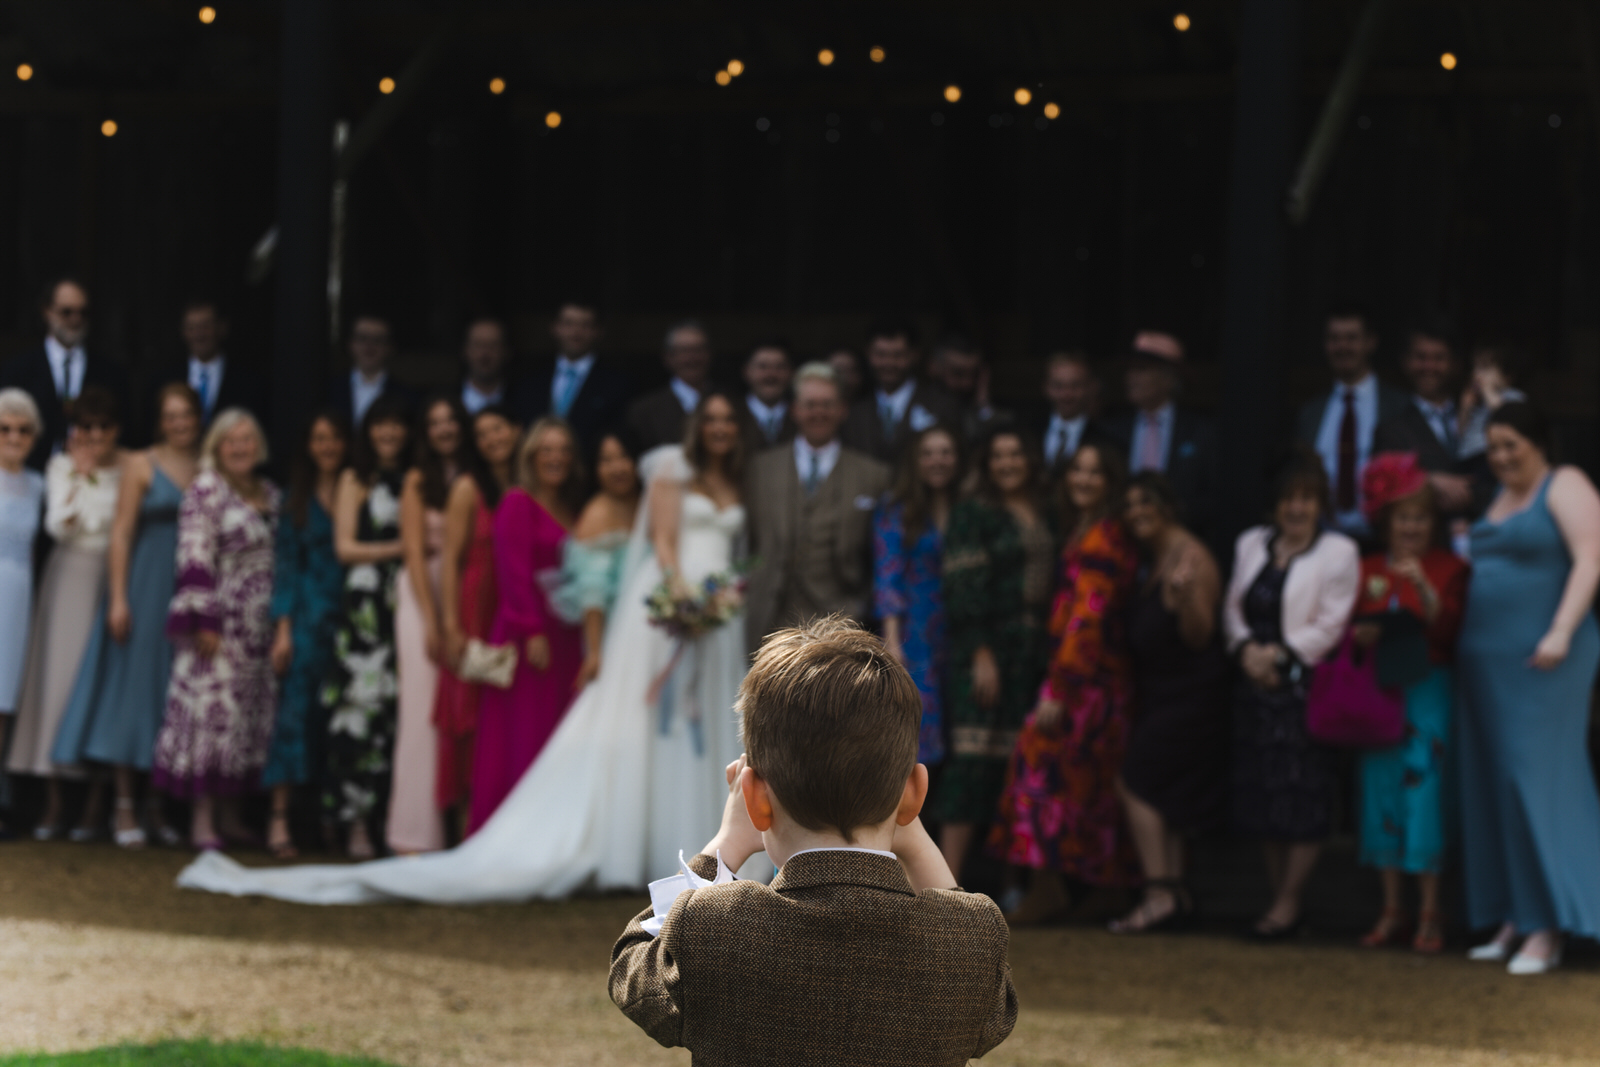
307 580
21 507
120 699
1528 652
907 547
592 558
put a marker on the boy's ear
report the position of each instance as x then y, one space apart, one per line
916 792
757 800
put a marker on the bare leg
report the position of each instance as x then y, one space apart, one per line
202 826
230 822
955 839
1299 861
360 843
126 819
1156 848
279 839
1393 915
1276 855
1430 920
94 803
52 805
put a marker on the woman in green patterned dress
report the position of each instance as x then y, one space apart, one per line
361 693
999 570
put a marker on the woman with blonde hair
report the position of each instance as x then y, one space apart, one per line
530 533
220 702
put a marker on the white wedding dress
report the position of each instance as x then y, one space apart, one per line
620 788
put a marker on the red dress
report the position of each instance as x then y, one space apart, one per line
515 723
1059 810
455 709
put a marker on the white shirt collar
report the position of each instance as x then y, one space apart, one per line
581 365
687 394
849 848
1072 425
475 401
900 399
1366 387
827 458
66 365
764 411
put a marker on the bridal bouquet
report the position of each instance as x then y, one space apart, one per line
716 602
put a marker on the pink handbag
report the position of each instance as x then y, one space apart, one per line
1347 707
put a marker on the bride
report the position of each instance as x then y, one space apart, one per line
623 785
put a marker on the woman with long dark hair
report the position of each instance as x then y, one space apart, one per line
907 544
307 579
591 564
444 452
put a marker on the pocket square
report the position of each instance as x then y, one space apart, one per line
865 503
921 418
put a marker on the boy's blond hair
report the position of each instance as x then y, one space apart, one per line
830 723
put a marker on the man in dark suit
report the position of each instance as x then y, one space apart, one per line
1067 420
55 371
900 405
1340 425
1428 424
220 381
371 348
960 368
1160 436
577 385
486 358
766 419
658 418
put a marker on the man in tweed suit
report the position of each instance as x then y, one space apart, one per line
809 514
862 951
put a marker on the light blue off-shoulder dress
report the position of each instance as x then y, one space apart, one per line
591 573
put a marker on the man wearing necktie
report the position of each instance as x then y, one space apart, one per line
658 418
61 366
766 420
578 384
1066 423
901 404
1429 425
1158 435
221 381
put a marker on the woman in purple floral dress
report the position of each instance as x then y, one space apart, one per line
213 743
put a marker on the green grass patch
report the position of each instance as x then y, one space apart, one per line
190 1054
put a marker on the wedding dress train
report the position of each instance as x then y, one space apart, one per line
621 786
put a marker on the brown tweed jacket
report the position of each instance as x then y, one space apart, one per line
838 962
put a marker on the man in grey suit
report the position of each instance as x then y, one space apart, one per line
1340 424
809 513
658 418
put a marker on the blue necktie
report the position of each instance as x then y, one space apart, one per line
566 377
205 390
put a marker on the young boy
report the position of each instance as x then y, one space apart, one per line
862 951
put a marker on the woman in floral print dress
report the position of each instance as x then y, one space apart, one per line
1060 813
220 700
361 694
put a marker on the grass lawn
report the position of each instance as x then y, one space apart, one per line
189 1054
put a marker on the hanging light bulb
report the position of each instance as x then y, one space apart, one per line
109 128
385 86
736 67
552 119
877 55
952 93
24 72
497 85
1022 97
208 15
1448 61
825 57
1052 110
1181 22
722 77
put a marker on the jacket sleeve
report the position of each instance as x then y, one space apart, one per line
1234 628
1096 592
1338 579
645 979
1002 1016
522 608
194 599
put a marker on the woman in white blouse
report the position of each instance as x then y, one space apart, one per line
81 498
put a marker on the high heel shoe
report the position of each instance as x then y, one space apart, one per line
1523 965
1496 951
1430 934
1140 920
1391 929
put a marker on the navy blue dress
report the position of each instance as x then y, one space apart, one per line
1530 813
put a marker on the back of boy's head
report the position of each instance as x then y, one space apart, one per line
830 723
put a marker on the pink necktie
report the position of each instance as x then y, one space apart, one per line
1150 445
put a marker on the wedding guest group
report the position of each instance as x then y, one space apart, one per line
542 588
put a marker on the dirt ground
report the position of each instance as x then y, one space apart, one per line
97 946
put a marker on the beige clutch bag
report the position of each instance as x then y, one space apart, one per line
486 664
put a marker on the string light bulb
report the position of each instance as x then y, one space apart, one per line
877 55
736 67
952 93
825 57
109 128
552 119
497 85
208 15
1448 61
722 77
24 72
386 86
1022 97
1052 110
1181 22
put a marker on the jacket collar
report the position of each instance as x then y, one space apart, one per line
843 867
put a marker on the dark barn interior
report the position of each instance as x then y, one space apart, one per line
1143 182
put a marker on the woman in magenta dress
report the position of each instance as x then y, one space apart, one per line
530 532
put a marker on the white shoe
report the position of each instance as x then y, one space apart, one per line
1496 951
1523 964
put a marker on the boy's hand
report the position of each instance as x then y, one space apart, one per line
924 863
737 838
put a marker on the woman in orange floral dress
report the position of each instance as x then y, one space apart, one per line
1060 814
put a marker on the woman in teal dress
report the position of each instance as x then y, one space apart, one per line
306 580
1404 805
592 558
120 698
1528 653
907 587
999 573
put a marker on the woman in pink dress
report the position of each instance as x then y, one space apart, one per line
530 532
467 598
414 822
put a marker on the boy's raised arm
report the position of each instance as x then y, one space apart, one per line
644 981
924 863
